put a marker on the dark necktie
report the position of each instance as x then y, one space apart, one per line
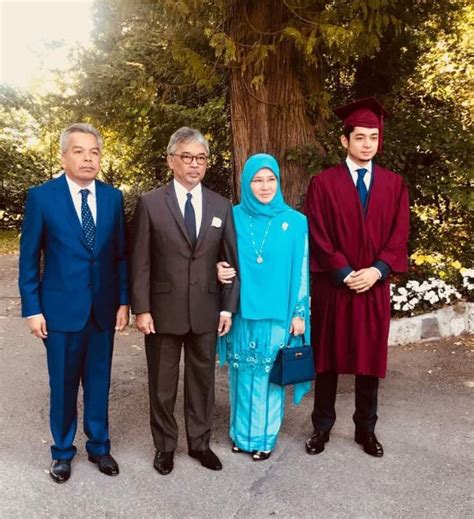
190 219
360 185
88 225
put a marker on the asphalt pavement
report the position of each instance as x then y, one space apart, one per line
425 424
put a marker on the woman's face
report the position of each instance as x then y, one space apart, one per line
264 185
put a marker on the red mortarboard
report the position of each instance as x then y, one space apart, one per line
367 112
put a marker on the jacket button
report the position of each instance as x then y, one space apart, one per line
91 285
193 283
193 258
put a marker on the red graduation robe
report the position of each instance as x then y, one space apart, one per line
350 331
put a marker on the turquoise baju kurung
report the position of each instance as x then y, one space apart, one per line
272 293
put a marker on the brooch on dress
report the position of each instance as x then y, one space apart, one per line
284 226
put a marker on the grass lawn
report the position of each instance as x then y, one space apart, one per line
9 241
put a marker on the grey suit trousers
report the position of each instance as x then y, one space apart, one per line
163 352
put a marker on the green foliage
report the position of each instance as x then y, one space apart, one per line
20 165
149 74
165 66
432 150
9 241
428 139
157 65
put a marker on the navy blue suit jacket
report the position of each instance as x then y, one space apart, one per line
71 280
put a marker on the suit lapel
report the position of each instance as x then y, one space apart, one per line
173 206
206 217
65 206
103 209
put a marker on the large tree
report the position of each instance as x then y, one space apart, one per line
281 53
266 59
266 71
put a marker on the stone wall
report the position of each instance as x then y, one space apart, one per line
448 321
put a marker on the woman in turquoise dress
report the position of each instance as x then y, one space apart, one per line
272 240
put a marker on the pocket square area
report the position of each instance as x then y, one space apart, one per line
216 222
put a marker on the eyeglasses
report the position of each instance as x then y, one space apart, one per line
188 159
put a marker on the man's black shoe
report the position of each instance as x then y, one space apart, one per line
60 470
164 462
106 464
315 444
207 458
369 442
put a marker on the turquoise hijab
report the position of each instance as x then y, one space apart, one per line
265 286
248 203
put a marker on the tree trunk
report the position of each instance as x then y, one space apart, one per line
270 117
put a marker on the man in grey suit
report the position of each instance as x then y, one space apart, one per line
181 231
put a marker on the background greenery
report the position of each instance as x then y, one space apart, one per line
157 65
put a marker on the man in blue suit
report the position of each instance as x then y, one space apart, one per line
78 297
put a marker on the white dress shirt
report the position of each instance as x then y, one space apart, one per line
196 200
353 167
75 189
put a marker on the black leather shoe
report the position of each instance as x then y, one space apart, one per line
164 462
106 464
207 458
60 470
315 444
261 455
369 442
236 449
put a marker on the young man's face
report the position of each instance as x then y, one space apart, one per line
362 144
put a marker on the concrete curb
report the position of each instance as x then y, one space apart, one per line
446 322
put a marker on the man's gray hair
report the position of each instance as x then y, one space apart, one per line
186 135
79 128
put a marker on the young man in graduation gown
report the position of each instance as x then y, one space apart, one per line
358 215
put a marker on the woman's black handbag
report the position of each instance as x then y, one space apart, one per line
293 365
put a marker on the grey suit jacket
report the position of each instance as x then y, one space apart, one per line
177 284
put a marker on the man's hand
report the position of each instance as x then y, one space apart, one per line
145 323
37 326
225 273
297 326
225 323
363 280
122 318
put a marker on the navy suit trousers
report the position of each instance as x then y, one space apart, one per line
79 357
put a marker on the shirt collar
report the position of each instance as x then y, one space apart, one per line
181 191
75 188
353 167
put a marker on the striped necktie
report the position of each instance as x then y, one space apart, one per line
88 225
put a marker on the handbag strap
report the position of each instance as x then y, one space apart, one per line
292 336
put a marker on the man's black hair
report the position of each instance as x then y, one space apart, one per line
347 131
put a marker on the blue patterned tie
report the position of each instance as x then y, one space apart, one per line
190 219
360 185
88 225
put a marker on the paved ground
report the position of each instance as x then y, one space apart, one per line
426 426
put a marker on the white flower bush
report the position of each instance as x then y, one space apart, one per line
468 279
416 297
